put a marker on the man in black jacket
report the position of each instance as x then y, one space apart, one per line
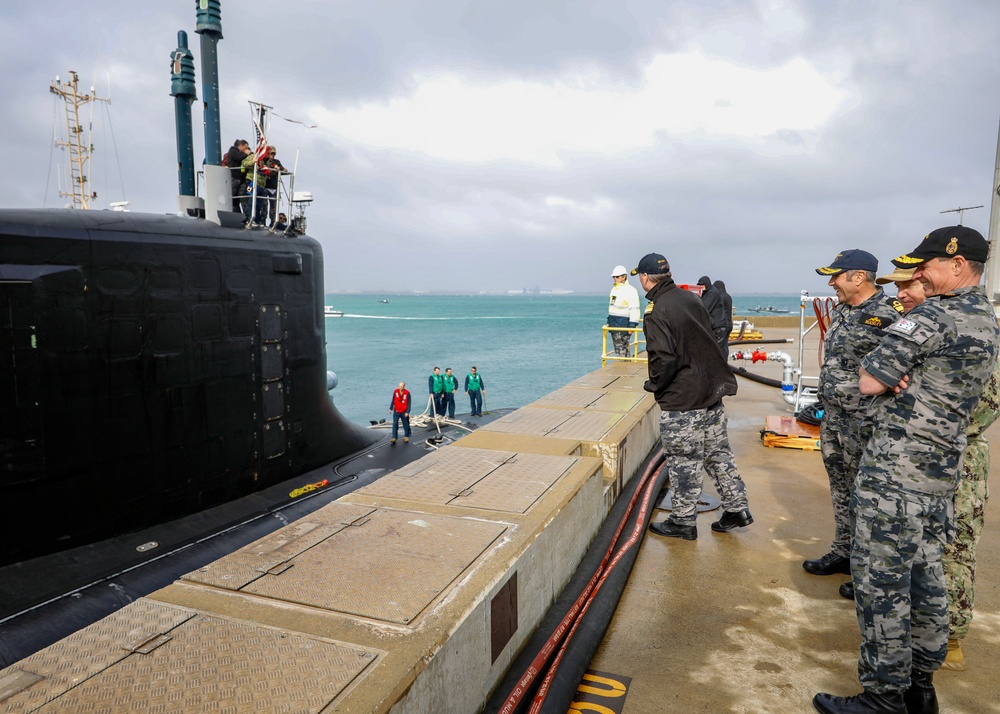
727 306
689 377
718 315
233 158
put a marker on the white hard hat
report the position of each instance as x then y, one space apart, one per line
619 270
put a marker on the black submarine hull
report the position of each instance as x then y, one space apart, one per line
153 366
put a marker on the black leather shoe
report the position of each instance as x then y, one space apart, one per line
671 530
865 703
732 519
847 590
921 698
828 565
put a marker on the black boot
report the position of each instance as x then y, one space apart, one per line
828 565
921 698
847 590
864 703
732 519
672 530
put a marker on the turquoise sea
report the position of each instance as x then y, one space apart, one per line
524 346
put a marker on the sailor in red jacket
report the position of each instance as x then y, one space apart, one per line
400 409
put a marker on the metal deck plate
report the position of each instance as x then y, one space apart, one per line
634 382
474 478
272 551
606 380
202 664
587 426
593 399
594 380
382 552
86 653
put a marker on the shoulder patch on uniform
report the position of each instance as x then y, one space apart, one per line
649 308
896 305
903 326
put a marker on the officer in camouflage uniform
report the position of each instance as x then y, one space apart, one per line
959 558
930 372
858 324
689 377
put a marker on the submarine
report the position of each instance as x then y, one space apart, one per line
164 394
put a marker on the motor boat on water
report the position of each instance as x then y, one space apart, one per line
328 311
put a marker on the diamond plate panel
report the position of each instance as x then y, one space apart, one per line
518 484
476 478
536 422
588 426
446 474
566 397
214 665
86 653
597 400
594 380
368 570
619 401
251 562
632 383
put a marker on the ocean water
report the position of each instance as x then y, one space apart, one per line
524 346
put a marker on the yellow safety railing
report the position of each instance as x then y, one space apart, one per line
636 344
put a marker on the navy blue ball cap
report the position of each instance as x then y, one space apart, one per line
652 264
947 243
854 259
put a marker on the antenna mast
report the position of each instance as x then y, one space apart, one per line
960 211
76 143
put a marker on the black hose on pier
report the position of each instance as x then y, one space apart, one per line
545 676
742 372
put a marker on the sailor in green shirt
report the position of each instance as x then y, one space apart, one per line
475 388
435 387
448 400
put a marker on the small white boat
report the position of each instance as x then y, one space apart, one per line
330 312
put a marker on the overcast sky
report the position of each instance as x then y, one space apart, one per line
496 145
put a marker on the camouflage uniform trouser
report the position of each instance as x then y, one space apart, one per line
621 340
899 582
693 441
960 555
841 446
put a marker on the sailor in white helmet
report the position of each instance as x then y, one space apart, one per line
623 309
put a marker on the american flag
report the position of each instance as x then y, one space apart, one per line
260 153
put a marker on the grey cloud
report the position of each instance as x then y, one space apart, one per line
921 137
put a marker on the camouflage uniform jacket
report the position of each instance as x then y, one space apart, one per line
948 347
976 466
854 332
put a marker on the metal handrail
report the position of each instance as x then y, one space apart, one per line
636 340
252 196
804 299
